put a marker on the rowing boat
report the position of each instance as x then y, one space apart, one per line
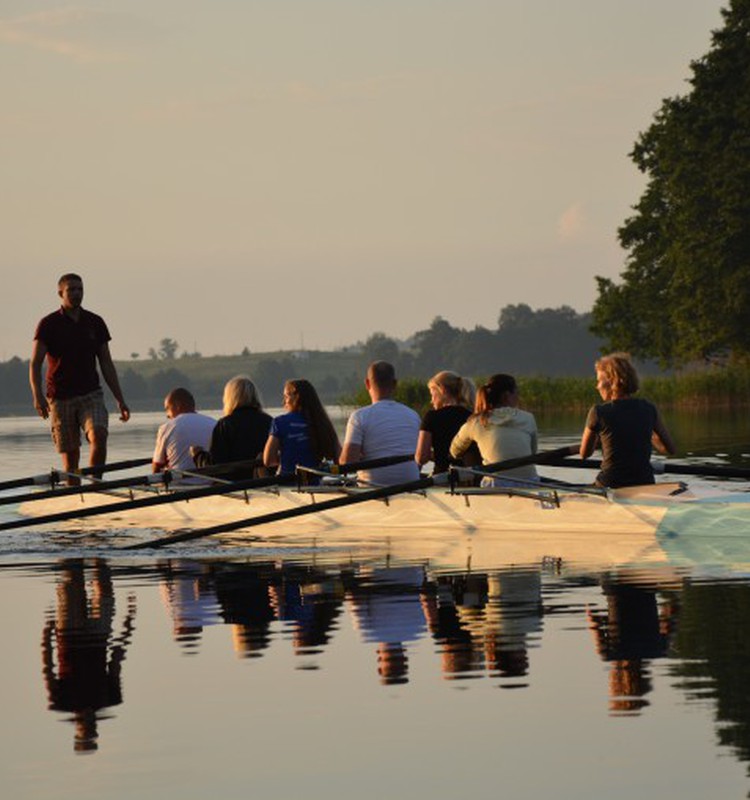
555 508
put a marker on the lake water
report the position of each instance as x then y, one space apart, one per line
256 672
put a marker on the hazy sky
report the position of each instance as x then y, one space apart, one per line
272 173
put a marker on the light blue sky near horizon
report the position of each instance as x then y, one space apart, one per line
307 172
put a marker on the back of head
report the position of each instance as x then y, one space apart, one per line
459 389
620 372
494 393
240 392
382 376
181 400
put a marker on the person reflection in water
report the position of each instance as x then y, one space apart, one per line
634 629
387 610
189 596
81 660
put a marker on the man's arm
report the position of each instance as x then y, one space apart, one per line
350 453
35 378
109 373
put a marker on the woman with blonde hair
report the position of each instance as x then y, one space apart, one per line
452 399
241 432
500 429
625 427
303 436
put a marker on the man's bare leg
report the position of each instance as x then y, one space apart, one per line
70 461
98 454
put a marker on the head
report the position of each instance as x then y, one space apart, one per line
179 401
500 390
240 392
380 380
300 396
449 389
616 376
70 290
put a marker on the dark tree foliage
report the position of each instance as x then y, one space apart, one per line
549 341
685 292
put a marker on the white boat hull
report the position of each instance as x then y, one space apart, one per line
481 529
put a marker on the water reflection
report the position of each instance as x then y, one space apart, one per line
635 628
81 658
188 594
474 625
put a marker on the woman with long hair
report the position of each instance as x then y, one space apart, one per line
500 429
241 432
625 427
304 435
452 398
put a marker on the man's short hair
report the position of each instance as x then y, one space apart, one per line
67 278
382 374
182 398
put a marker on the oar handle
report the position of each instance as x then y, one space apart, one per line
543 457
660 467
53 476
370 463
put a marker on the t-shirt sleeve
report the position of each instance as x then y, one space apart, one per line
428 422
354 431
160 448
592 420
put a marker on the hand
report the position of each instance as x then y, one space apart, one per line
42 408
124 411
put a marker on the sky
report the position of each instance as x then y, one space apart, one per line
286 174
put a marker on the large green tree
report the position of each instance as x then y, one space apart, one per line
685 292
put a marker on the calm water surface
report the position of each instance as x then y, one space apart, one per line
271 673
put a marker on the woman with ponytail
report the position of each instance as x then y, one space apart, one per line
500 429
452 399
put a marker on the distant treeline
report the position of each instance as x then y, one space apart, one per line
552 352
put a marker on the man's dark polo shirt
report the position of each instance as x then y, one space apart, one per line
72 349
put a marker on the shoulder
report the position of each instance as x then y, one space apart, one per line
48 322
95 322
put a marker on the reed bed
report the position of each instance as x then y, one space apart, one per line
724 387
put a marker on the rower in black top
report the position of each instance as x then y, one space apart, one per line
624 426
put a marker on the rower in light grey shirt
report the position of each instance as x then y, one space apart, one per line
385 428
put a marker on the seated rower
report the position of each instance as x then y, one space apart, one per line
304 436
501 430
185 428
625 427
240 434
384 428
452 398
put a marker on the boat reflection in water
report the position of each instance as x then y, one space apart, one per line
81 657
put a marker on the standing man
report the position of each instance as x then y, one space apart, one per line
185 429
73 340
385 428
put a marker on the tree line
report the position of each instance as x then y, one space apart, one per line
549 342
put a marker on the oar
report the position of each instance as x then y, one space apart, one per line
706 470
145 502
338 502
543 457
182 494
213 470
53 476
